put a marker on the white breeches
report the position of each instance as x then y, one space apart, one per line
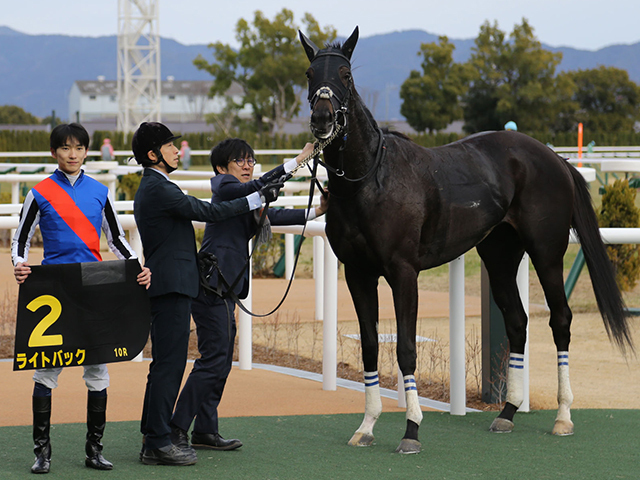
96 377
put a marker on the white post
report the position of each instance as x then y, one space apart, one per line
15 192
15 199
318 275
522 280
289 255
245 345
330 324
458 388
112 185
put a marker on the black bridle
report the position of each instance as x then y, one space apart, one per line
340 103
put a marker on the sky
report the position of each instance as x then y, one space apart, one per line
584 24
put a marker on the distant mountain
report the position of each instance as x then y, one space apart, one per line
37 71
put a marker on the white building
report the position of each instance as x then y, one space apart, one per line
182 101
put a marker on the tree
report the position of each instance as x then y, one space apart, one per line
608 100
269 66
431 100
619 211
13 115
514 80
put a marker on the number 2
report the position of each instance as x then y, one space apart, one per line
37 337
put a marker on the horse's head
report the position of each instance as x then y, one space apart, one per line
330 83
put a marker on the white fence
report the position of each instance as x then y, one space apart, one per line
325 274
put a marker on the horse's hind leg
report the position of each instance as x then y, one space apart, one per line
403 281
364 292
502 252
550 275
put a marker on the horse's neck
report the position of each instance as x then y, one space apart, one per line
357 153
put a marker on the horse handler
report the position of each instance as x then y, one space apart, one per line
164 214
233 162
71 210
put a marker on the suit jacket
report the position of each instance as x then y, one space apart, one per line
164 214
228 239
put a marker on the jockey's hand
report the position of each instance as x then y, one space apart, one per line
21 271
144 277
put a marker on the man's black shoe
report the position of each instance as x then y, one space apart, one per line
213 441
180 438
169 455
41 465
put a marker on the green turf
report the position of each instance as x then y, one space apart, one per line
606 446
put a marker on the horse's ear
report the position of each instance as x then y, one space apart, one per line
349 46
309 47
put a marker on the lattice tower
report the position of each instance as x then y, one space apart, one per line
138 63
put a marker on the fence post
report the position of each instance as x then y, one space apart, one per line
495 346
245 343
318 275
457 382
330 324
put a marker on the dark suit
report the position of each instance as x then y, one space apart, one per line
164 215
214 317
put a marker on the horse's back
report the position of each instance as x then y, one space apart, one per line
497 177
519 166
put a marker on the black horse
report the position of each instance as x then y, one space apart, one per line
397 208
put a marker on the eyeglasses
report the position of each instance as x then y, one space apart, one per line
241 161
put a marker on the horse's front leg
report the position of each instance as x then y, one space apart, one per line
364 292
405 300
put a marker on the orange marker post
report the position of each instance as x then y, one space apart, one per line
580 143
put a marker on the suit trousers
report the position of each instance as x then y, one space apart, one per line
199 399
170 325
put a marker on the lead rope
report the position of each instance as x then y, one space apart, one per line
317 150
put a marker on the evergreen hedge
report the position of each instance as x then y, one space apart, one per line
619 211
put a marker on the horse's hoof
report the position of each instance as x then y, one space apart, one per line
361 440
563 428
501 425
408 446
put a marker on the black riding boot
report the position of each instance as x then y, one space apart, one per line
41 440
96 421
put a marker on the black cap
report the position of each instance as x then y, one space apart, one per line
149 136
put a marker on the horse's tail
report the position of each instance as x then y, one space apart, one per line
601 271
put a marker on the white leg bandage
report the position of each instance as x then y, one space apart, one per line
565 396
414 413
515 379
373 403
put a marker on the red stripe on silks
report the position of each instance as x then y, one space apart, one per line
64 205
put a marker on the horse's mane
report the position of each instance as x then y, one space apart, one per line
395 133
